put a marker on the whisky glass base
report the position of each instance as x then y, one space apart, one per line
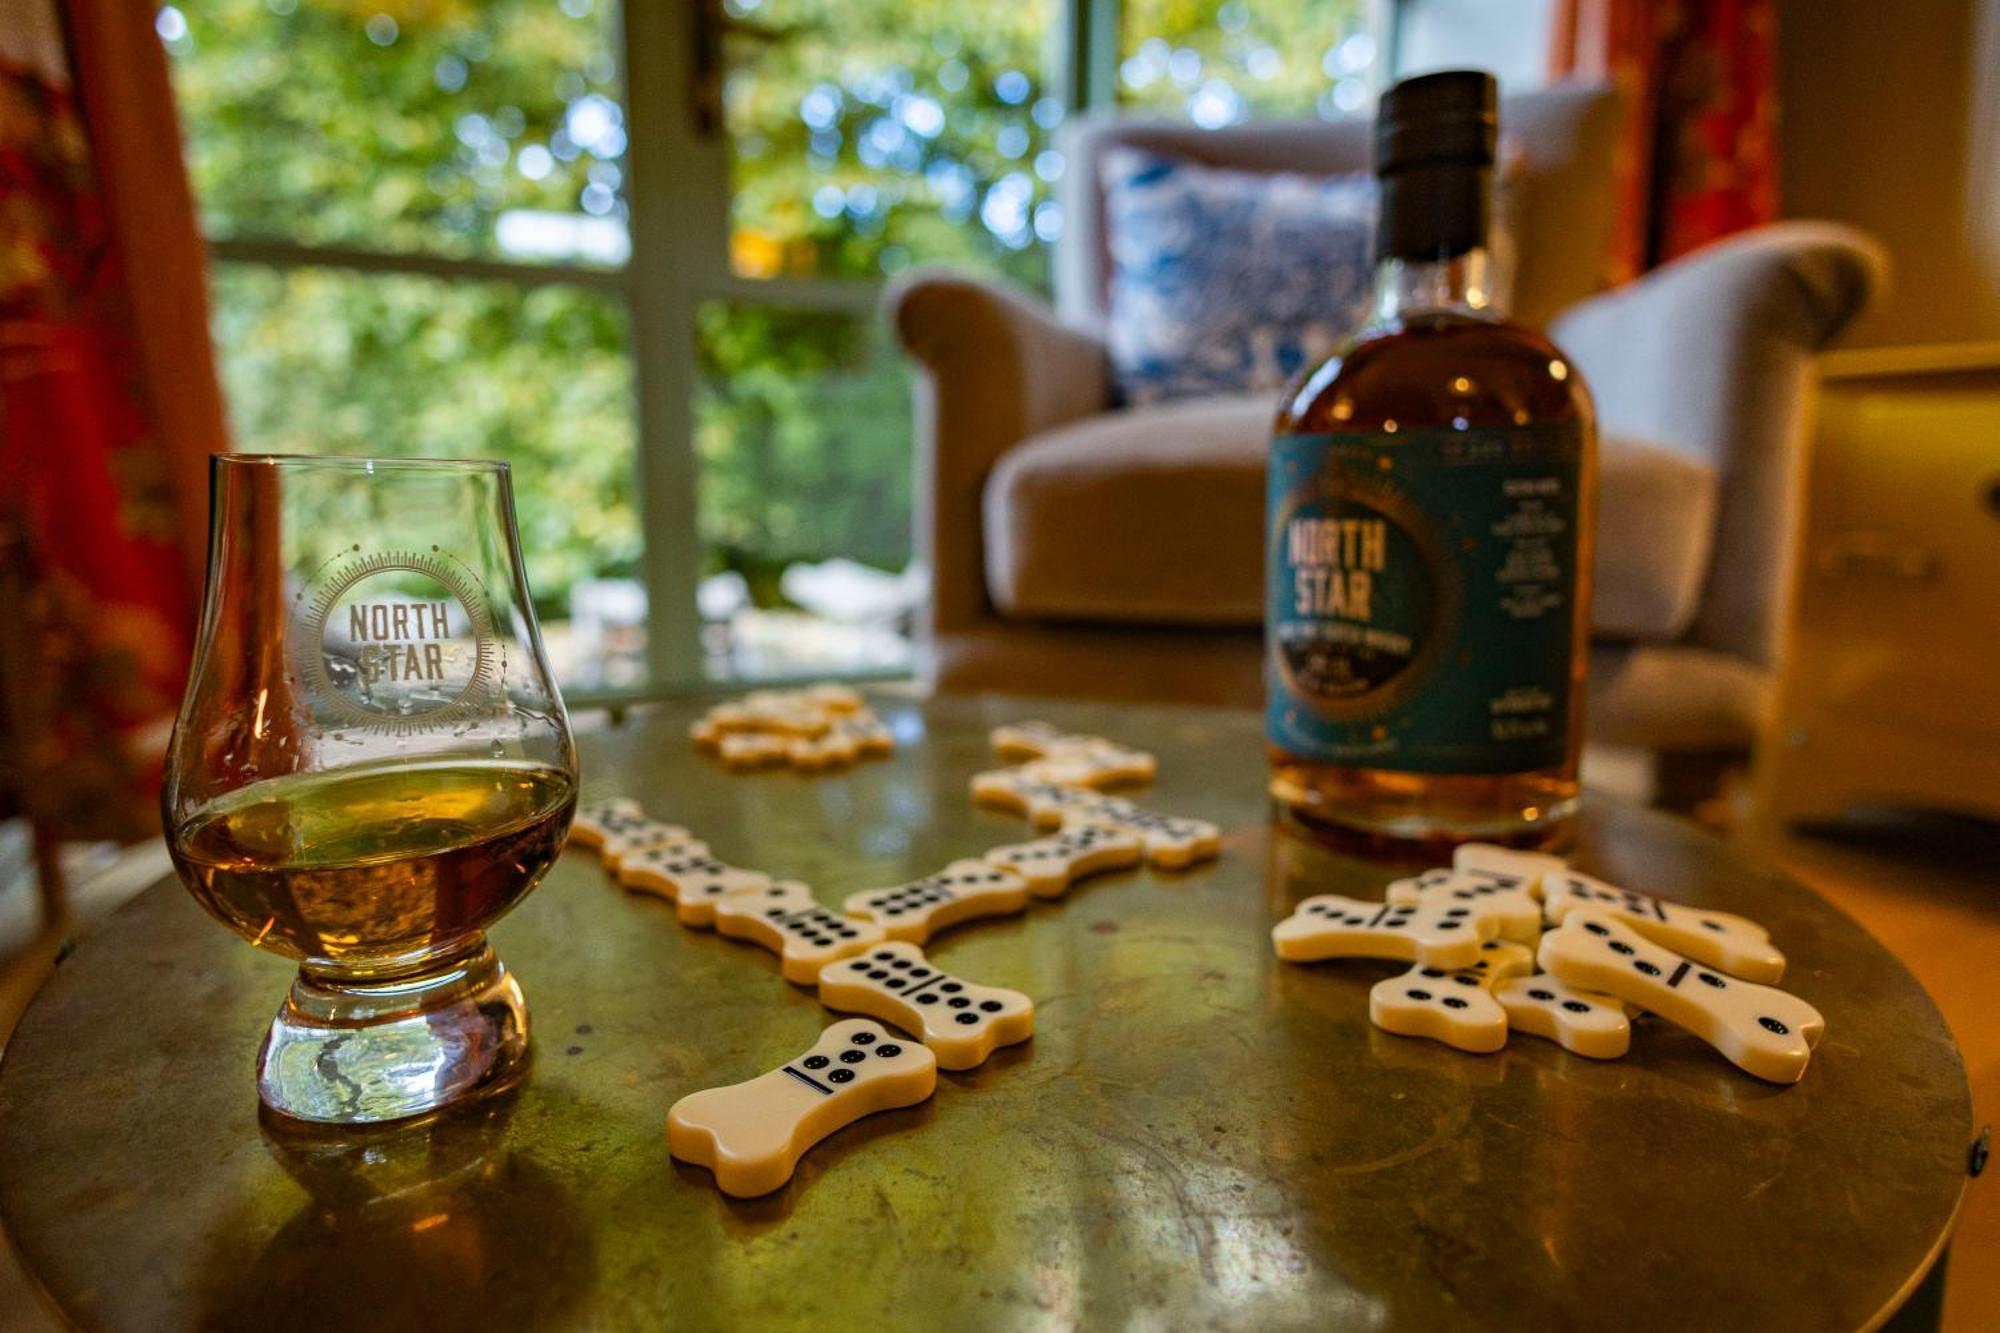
369 1051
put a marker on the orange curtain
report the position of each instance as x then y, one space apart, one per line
1700 153
108 410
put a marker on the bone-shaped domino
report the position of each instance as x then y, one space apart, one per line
1171 842
810 754
641 837
751 1135
1052 864
771 713
1085 761
1736 944
1102 766
689 878
1519 912
786 919
1582 1021
1027 740
832 698
1506 866
961 891
869 736
1330 926
960 1021
597 820
753 749
1763 1030
1455 1007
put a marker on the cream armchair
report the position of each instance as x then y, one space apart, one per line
1080 547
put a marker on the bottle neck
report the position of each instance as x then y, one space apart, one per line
1460 285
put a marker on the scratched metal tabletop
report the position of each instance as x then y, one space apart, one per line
1197 1136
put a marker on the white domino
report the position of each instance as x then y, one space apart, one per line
1052 864
1027 740
689 878
961 1021
786 919
1765 1031
642 837
962 891
597 820
812 754
1056 756
871 739
1584 1022
1455 1006
745 750
773 712
1330 926
1506 866
1518 911
1736 944
751 1135
1171 841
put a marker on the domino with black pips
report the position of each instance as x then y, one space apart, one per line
690 878
1051 865
752 1134
962 891
961 1021
1583 1022
1735 944
1764 1031
786 919
1330 926
1456 1006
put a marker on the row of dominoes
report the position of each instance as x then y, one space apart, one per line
811 730
1474 934
867 959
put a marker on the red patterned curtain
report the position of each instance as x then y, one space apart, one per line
1700 157
108 410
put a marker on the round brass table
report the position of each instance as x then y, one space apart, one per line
1198 1135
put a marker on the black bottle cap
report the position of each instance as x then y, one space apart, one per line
1450 116
1434 143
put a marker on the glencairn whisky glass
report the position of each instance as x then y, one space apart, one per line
370 767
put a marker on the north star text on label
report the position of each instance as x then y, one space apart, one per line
1333 562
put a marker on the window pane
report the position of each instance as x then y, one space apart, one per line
1220 61
1511 40
872 134
488 128
802 426
317 361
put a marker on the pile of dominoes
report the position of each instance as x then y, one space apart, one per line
1505 941
868 957
810 730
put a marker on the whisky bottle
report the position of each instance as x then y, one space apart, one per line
1430 510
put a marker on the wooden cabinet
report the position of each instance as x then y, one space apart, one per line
1889 687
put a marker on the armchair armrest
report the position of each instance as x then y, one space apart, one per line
1711 356
994 368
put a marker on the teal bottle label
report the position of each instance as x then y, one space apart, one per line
1422 593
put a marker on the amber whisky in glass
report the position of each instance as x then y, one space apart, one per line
1430 530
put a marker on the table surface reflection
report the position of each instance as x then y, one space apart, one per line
1197 1135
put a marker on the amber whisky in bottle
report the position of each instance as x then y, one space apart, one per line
1430 521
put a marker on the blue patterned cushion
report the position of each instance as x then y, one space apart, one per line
1229 281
